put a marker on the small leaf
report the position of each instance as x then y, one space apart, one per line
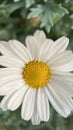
23 13
29 3
47 27
36 11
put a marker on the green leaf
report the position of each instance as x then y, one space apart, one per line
58 12
50 14
36 11
29 3
23 13
48 28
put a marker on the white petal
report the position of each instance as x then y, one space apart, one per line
40 37
11 86
8 79
63 75
32 46
17 98
68 102
6 50
28 104
61 44
43 105
64 68
35 117
57 48
4 102
59 103
10 62
45 48
61 59
34 43
20 50
64 86
9 71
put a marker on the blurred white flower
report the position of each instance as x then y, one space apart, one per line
35 75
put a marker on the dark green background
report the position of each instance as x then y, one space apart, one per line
19 19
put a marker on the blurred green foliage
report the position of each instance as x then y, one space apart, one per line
19 18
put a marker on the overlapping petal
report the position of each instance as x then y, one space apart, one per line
58 101
42 105
56 48
28 104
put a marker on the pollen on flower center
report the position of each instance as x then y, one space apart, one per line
36 74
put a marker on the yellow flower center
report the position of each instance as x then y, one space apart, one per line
36 74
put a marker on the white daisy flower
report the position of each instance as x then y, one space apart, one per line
35 75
